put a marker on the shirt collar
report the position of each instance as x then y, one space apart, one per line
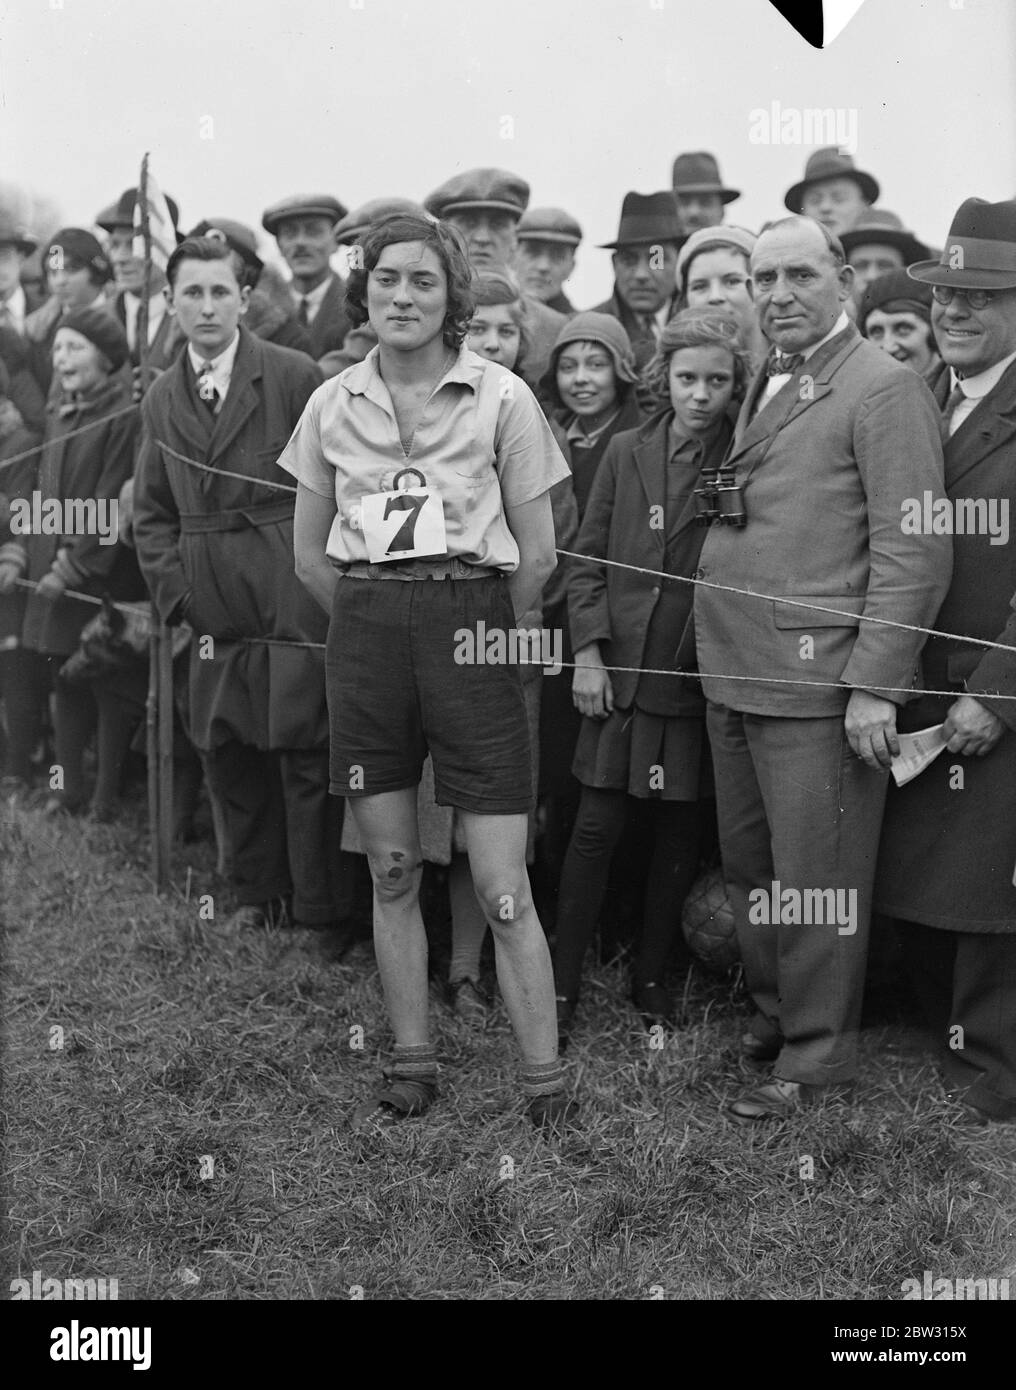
314 296
575 434
977 386
364 379
841 323
222 366
679 441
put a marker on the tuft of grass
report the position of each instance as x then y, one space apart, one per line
177 1099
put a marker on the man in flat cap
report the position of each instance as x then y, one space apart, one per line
877 244
304 227
164 342
16 245
486 205
645 270
547 241
949 840
271 313
805 676
699 192
832 191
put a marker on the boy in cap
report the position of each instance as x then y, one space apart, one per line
270 313
547 241
304 227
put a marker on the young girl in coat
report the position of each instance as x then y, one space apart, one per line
643 734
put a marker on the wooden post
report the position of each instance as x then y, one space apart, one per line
159 705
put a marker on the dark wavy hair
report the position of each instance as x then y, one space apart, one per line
448 245
697 328
199 248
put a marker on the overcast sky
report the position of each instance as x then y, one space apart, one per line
584 98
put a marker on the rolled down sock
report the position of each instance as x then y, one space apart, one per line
418 1063
542 1078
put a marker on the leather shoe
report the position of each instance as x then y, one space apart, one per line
775 1099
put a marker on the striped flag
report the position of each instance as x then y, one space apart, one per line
151 208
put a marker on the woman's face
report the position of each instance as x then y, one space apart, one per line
407 296
719 280
701 384
77 361
75 289
904 336
494 334
586 381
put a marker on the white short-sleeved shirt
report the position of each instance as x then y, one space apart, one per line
482 443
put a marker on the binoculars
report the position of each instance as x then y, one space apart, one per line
720 497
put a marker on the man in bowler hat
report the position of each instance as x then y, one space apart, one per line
946 869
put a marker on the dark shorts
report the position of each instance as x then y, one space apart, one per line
396 691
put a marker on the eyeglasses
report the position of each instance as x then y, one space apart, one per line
977 299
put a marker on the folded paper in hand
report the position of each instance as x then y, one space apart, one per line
916 752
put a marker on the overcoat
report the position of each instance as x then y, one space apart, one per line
219 550
93 464
614 606
949 837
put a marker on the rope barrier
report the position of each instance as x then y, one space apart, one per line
71 434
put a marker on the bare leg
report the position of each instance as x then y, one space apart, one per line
390 836
497 860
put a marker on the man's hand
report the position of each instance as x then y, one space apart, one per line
51 586
971 728
870 726
592 691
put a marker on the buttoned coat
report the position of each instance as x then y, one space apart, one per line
949 838
219 550
614 606
828 467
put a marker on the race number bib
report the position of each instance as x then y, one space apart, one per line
406 524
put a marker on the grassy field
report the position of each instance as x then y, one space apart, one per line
186 1133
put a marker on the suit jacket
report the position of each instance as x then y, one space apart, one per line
219 550
331 322
827 468
614 606
642 340
948 850
164 348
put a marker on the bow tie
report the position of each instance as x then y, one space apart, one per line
779 363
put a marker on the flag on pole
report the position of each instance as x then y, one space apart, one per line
151 208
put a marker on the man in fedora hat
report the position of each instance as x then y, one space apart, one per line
699 192
16 245
547 241
949 844
877 244
164 342
832 191
645 270
832 440
487 205
304 227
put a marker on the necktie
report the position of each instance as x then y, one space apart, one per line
779 363
206 389
956 397
303 313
